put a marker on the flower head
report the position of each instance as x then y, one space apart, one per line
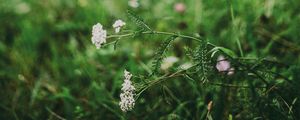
127 101
118 24
179 7
98 35
223 65
133 3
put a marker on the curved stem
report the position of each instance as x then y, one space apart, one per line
159 32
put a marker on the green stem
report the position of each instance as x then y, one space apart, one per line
158 32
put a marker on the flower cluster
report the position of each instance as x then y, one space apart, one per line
223 65
118 24
127 100
98 35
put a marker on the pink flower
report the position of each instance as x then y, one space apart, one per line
179 7
223 65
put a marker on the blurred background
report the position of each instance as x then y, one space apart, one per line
50 69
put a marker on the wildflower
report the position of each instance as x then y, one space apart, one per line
224 66
118 24
98 35
127 101
179 7
133 3
168 62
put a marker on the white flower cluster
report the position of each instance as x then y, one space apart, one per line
98 35
127 101
118 24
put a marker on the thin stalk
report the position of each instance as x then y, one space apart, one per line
158 32
180 73
232 85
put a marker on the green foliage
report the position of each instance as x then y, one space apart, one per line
160 54
49 68
226 51
201 58
138 21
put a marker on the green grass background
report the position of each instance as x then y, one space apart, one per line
49 65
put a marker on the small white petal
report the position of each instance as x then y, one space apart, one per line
117 25
231 71
117 29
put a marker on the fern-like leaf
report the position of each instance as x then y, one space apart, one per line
202 60
138 21
159 55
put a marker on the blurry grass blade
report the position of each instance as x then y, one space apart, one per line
230 117
35 91
290 109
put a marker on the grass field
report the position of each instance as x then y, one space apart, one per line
50 69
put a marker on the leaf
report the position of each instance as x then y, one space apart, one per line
202 61
209 117
294 101
138 21
165 96
115 44
228 52
159 55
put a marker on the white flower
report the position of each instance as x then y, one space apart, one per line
133 3
168 62
118 24
98 35
223 65
127 100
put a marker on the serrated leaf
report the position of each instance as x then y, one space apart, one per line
159 54
138 21
202 61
